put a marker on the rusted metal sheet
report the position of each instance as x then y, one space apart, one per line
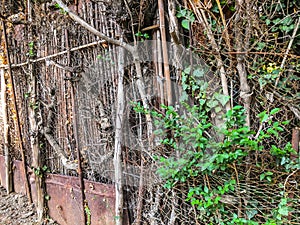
65 204
101 201
295 142
18 178
296 139
2 171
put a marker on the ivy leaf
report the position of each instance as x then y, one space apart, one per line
206 189
276 21
223 99
283 160
284 211
183 97
289 28
269 173
181 13
274 111
263 116
260 45
286 122
185 24
251 213
187 70
198 73
218 109
212 103
215 9
287 21
191 18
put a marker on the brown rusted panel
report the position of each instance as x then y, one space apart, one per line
295 139
65 200
18 178
295 142
2 171
65 203
101 201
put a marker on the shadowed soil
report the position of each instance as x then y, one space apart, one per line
16 210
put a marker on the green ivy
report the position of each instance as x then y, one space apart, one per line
31 51
143 36
189 137
187 16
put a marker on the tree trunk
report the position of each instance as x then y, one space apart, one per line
245 94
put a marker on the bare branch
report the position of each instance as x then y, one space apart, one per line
87 26
60 152
47 131
48 57
295 111
288 49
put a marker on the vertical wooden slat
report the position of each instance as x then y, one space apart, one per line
76 136
118 142
8 168
165 51
37 163
15 108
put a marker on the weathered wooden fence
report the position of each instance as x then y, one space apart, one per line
43 54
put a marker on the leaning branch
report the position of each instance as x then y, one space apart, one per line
52 141
92 29
287 50
59 151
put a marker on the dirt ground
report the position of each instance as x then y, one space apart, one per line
15 210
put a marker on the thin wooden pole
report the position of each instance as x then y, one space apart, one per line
79 170
161 11
8 166
75 130
118 142
17 121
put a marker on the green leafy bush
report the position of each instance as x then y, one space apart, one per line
202 155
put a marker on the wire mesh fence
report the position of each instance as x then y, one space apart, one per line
78 85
